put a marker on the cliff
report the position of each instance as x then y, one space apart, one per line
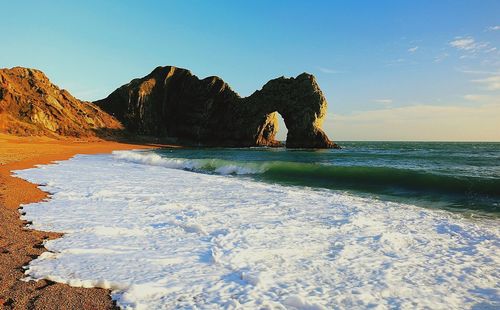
31 105
172 102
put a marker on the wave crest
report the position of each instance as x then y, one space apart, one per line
216 166
469 191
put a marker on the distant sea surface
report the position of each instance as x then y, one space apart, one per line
462 177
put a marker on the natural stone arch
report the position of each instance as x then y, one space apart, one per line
301 104
171 102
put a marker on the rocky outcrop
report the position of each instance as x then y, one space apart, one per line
31 105
172 102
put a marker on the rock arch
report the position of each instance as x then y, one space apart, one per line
171 102
301 104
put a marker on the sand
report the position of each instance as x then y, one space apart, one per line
19 245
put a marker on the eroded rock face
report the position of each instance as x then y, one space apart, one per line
301 104
31 105
171 102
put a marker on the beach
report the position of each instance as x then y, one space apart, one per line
250 155
18 245
371 225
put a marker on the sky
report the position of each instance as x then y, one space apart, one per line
390 70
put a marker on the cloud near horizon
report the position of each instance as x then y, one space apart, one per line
419 123
476 97
383 101
490 83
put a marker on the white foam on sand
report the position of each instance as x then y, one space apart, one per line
167 238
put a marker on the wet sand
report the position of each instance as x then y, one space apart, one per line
18 245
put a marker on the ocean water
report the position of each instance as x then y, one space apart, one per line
462 177
375 225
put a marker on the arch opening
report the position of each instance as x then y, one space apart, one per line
282 130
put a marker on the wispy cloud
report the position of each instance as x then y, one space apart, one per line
493 28
328 70
398 61
490 83
464 43
488 79
441 57
480 72
383 101
490 50
413 49
476 97
468 44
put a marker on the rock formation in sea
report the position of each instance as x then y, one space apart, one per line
172 102
31 105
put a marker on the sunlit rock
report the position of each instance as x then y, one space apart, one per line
172 102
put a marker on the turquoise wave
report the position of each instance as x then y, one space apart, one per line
448 186
462 192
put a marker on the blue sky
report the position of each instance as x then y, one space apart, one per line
391 70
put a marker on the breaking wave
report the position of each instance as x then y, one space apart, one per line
483 192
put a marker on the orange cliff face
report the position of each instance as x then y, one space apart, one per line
31 105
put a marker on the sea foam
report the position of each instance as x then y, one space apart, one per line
167 238
216 166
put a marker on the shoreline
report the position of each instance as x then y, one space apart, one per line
19 245
156 256
241 235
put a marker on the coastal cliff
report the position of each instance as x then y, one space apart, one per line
31 105
172 102
168 103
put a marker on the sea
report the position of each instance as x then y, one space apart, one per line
382 225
